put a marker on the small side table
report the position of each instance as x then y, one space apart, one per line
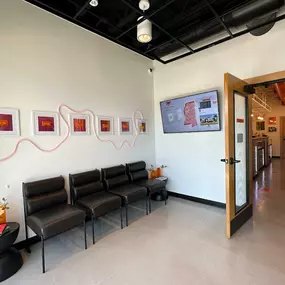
159 196
10 258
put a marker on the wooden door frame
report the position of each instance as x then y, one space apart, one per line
282 124
253 80
235 220
266 78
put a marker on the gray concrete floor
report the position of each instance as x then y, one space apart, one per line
182 243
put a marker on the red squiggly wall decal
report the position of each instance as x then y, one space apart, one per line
131 145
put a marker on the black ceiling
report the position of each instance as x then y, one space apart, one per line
171 19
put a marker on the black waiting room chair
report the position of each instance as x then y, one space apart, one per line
47 212
117 182
139 176
87 193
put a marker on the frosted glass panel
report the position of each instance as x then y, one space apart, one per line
241 141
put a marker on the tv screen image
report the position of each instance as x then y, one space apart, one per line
193 113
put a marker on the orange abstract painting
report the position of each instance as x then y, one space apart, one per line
46 124
6 122
79 125
125 127
105 125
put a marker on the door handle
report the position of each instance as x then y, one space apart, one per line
226 161
232 160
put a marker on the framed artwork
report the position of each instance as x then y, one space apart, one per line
105 125
272 121
272 129
125 126
45 123
9 122
260 126
142 126
79 124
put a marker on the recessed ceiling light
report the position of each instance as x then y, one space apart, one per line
94 3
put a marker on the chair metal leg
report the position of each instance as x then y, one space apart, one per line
43 254
93 226
149 202
146 205
28 250
165 197
127 215
121 213
85 238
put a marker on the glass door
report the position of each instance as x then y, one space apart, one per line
241 151
238 154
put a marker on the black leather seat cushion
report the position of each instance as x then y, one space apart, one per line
101 203
153 185
55 220
130 192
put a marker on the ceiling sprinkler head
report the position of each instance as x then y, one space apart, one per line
144 5
94 3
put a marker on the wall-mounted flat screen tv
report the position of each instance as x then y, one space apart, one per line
193 113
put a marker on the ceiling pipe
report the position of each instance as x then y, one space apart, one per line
248 12
236 18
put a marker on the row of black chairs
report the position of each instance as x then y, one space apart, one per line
93 194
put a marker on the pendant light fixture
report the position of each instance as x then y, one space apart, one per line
144 29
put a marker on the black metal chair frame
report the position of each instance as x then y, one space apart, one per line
28 249
163 191
126 205
93 217
127 210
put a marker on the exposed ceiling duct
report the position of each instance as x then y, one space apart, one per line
262 20
247 14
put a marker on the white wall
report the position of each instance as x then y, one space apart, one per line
46 61
193 159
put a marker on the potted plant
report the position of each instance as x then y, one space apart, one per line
159 170
3 208
152 172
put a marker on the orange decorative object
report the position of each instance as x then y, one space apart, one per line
153 174
3 217
158 172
